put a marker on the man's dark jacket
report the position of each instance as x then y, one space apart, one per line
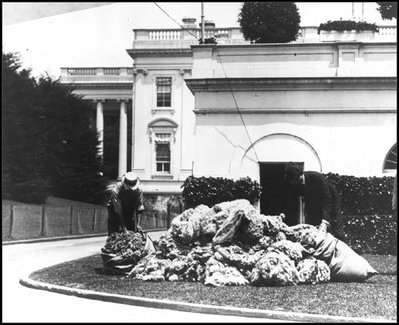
322 202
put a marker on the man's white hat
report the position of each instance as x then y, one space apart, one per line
131 180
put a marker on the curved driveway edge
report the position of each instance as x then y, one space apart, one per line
196 308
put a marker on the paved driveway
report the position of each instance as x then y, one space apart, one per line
22 304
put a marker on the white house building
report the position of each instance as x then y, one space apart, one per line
237 109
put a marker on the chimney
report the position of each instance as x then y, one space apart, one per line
189 22
208 24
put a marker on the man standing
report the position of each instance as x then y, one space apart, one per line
322 200
125 204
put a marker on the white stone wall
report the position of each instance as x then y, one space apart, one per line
298 102
180 112
346 143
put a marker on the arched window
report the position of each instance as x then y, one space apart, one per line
390 162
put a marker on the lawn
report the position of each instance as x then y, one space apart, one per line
375 298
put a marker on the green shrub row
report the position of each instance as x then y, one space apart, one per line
342 25
363 195
372 234
213 190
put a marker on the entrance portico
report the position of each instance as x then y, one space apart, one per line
110 90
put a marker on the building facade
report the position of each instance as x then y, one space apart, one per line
237 109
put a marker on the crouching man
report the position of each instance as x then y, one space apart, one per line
125 205
322 201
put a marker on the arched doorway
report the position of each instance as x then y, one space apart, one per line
273 152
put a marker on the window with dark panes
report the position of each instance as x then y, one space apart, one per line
164 91
163 157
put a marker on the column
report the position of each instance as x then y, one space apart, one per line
122 138
100 126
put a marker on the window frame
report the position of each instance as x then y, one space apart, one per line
158 92
154 105
156 144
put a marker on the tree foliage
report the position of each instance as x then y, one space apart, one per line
23 150
49 144
73 164
388 10
269 22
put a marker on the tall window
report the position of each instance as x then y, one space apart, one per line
164 91
162 157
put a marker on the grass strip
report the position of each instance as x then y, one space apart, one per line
375 298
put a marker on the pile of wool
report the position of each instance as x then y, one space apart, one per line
128 245
231 243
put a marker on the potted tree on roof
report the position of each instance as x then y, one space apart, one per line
347 30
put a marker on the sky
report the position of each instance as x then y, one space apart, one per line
49 36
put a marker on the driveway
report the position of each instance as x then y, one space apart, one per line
25 305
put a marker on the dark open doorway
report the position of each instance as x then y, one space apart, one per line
274 192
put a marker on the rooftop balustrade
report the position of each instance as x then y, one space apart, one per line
183 38
88 74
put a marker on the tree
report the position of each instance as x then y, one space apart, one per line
73 164
269 22
23 150
388 10
50 145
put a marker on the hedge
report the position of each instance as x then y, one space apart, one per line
366 205
212 190
363 195
372 234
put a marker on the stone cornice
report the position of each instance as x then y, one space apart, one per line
294 110
159 52
304 44
105 85
318 83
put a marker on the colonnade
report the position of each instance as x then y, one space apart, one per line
122 159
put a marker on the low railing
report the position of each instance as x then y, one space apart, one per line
387 31
111 71
143 37
81 71
88 72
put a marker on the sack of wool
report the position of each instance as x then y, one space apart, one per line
305 234
313 271
208 226
167 247
186 227
177 267
348 266
122 251
274 268
229 205
218 274
251 229
344 263
235 256
295 251
273 224
185 269
150 268
201 253
229 227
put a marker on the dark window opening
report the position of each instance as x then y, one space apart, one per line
163 157
164 91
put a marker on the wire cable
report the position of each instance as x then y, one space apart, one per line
227 80
176 21
239 111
